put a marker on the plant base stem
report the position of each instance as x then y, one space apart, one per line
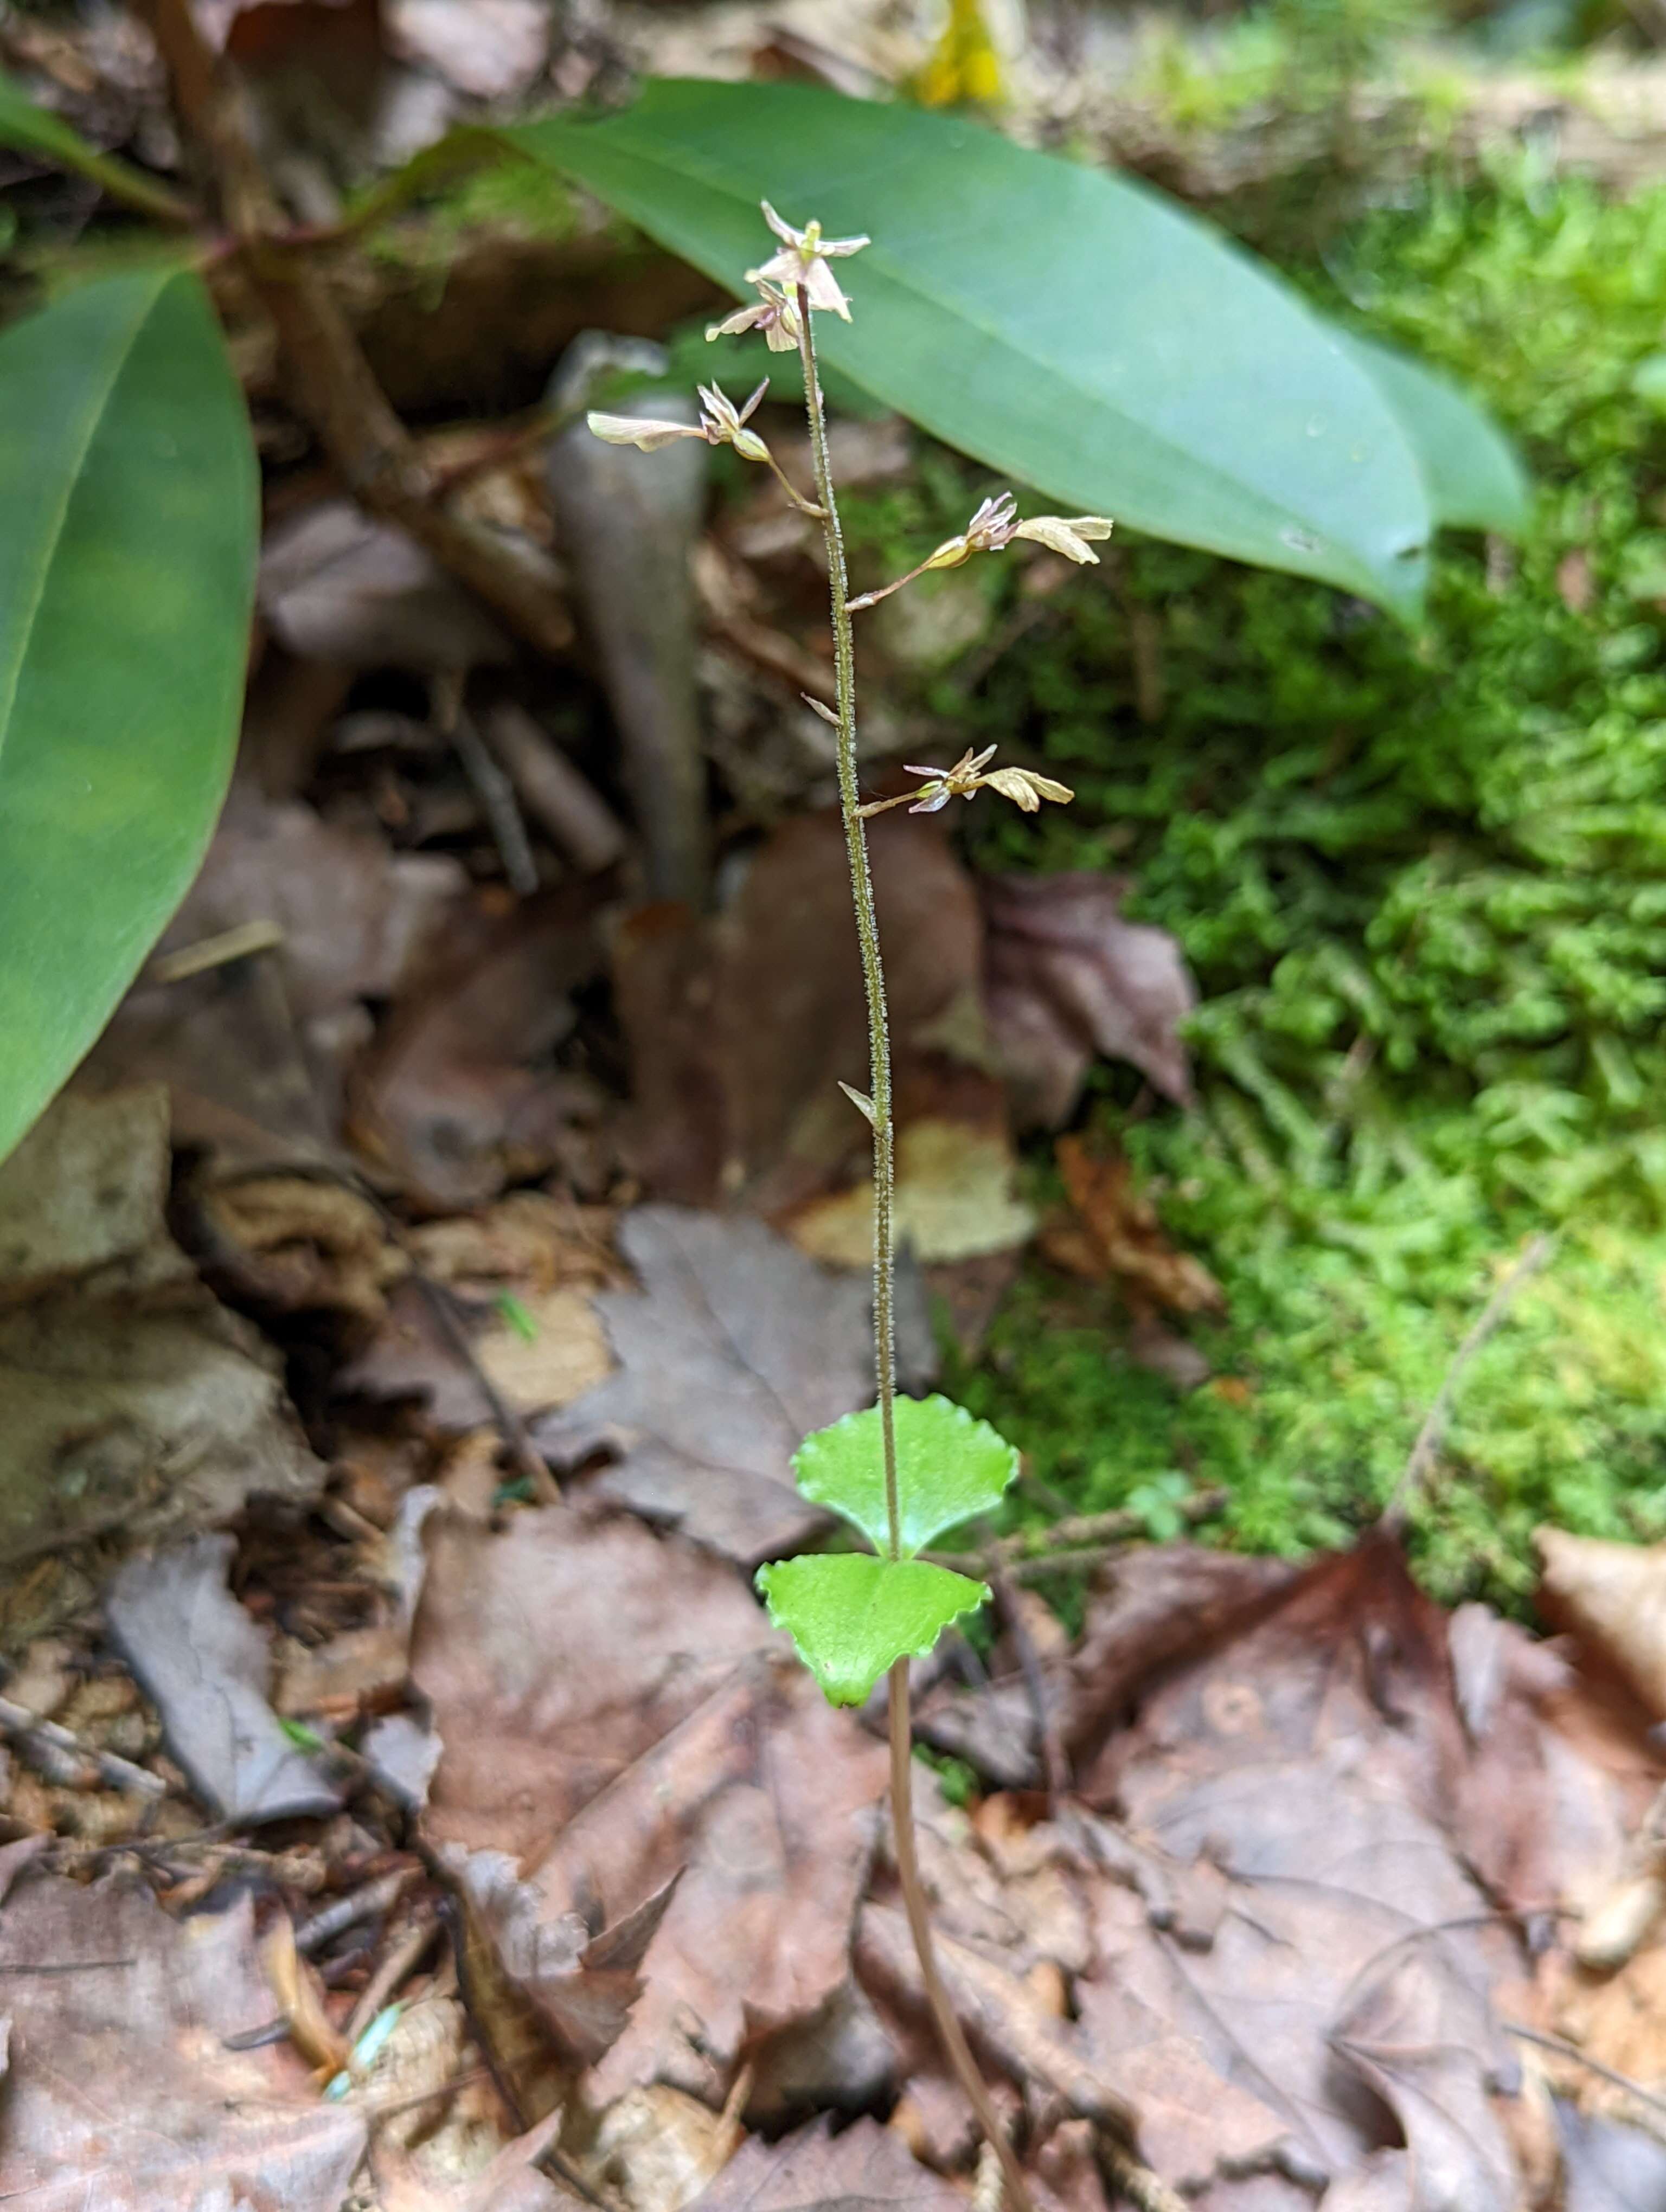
956 2048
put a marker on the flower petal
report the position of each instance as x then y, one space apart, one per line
822 289
784 231
836 248
640 430
1057 535
1012 783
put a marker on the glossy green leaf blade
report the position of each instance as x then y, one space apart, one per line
1073 330
32 130
850 1615
1474 474
128 523
949 1467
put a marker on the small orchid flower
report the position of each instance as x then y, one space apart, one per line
723 424
992 530
803 260
959 781
774 311
971 774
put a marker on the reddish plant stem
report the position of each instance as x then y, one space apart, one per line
918 1909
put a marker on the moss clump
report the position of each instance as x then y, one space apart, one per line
1420 882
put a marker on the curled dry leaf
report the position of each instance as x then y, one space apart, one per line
659 1827
1115 1235
124 2088
1067 978
209 1666
1613 1597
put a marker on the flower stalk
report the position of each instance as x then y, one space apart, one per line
879 1112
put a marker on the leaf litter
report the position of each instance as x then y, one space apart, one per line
495 1854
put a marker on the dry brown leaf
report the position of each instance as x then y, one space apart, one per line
128 1395
741 1032
1067 978
637 1788
123 2090
816 2171
736 1347
207 1665
1115 1235
456 1098
1613 1597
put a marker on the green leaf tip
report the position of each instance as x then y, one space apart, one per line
851 1614
950 1468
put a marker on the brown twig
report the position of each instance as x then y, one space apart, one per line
330 382
401 1962
1091 1533
1416 1469
1562 2049
67 1759
363 1904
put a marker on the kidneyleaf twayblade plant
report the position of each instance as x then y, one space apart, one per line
905 1469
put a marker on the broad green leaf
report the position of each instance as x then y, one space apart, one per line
128 521
1474 476
850 1615
32 130
1073 330
949 1466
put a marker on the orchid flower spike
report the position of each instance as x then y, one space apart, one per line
803 260
774 311
721 423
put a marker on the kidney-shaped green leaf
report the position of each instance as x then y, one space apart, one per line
850 1615
949 1467
1474 476
1073 330
128 522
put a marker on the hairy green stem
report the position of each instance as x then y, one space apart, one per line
867 931
885 1340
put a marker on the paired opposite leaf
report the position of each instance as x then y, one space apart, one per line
949 1468
129 496
1072 328
851 1615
